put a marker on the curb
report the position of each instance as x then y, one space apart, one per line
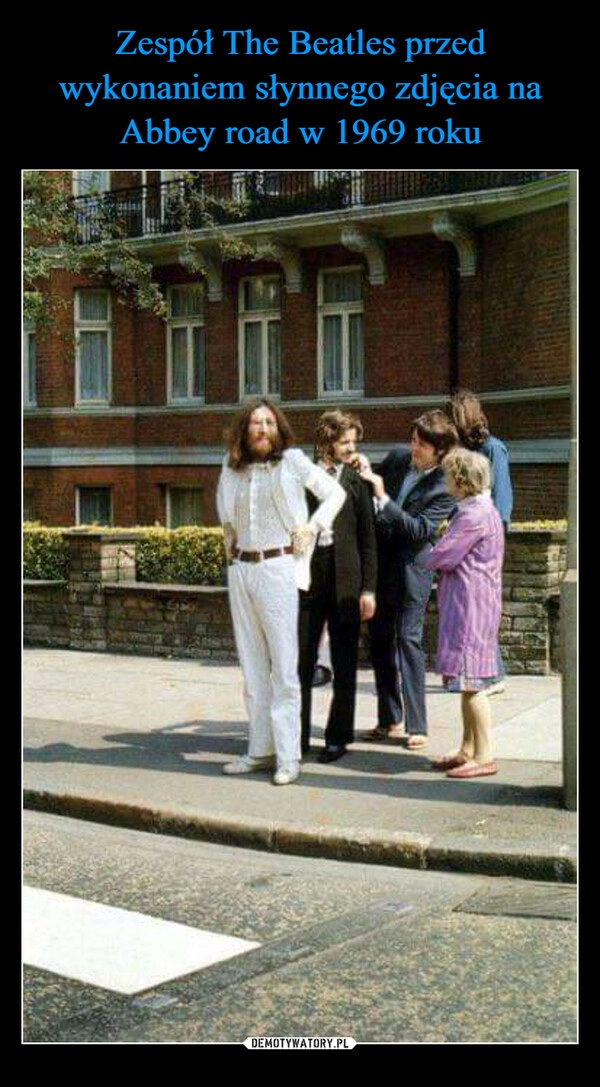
397 849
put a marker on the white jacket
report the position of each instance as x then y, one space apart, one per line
289 477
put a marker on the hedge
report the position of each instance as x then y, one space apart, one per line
45 555
184 556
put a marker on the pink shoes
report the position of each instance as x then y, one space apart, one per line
449 762
472 769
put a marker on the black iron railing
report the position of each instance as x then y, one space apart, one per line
203 198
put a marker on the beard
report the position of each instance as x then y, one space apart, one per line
263 447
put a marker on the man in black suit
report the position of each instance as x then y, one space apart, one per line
342 590
411 500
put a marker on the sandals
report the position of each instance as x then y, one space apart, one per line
473 769
382 735
415 742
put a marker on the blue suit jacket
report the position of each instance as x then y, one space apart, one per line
405 534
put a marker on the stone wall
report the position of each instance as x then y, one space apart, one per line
102 607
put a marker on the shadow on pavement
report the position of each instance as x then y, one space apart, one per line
166 750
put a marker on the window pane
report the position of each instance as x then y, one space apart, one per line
93 366
274 336
186 301
343 287
332 354
252 357
179 364
93 305
261 294
185 506
356 349
94 506
29 368
199 372
88 181
29 504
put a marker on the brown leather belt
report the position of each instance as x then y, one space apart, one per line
258 556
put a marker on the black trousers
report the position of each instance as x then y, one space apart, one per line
399 663
317 607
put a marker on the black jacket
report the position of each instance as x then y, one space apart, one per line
355 546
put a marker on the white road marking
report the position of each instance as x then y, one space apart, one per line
115 949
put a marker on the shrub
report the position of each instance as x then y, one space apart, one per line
45 556
184 556
539 526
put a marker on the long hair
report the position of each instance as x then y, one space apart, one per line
468 417
438 430
237 434
330 428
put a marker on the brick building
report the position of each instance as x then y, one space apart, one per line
379 290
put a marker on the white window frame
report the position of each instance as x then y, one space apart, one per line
190 323
95 325
29 371
263 317
343 310
93 487
169 498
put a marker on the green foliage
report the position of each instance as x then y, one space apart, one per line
51 239
183 556
539 526
45 556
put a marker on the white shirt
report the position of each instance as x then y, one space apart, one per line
257 523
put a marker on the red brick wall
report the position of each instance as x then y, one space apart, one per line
222 382
529 419
407 322
55 492
139 494
540 491
521 337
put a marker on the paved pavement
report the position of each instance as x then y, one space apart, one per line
141 741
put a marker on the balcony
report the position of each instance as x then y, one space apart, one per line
203 198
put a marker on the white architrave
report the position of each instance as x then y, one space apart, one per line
462 237
287 256
361 241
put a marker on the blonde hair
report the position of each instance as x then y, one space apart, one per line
470 471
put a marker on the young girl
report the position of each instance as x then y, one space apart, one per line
469 559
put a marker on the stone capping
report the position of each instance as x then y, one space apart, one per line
161 587
103 535
34 582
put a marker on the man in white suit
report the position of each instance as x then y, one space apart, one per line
269 539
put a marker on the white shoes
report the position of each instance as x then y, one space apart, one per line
247 764
287 774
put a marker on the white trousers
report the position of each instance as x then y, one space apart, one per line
263 598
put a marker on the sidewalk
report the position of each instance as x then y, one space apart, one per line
141 741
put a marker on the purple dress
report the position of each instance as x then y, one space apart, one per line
469 560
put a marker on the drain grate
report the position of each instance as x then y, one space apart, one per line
524 899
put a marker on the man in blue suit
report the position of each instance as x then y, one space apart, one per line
411 501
